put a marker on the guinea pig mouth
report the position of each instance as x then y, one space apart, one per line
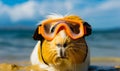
61 53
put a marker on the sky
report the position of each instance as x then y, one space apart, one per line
100 14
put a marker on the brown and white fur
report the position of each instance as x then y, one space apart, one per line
61 54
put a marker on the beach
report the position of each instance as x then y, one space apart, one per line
17 45
97 64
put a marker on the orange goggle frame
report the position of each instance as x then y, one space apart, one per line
64 24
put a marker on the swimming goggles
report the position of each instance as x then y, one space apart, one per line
74 29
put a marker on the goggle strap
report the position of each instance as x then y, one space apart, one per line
87 28
36 35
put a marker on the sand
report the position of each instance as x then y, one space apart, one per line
13 67
97 64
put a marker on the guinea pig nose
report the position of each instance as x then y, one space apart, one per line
62 45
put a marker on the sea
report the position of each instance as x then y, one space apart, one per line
16 45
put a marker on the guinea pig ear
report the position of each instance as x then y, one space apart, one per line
37 36
88 29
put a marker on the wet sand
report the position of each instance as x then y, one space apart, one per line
97 64
105 61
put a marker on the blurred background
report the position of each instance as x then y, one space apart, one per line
19 19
